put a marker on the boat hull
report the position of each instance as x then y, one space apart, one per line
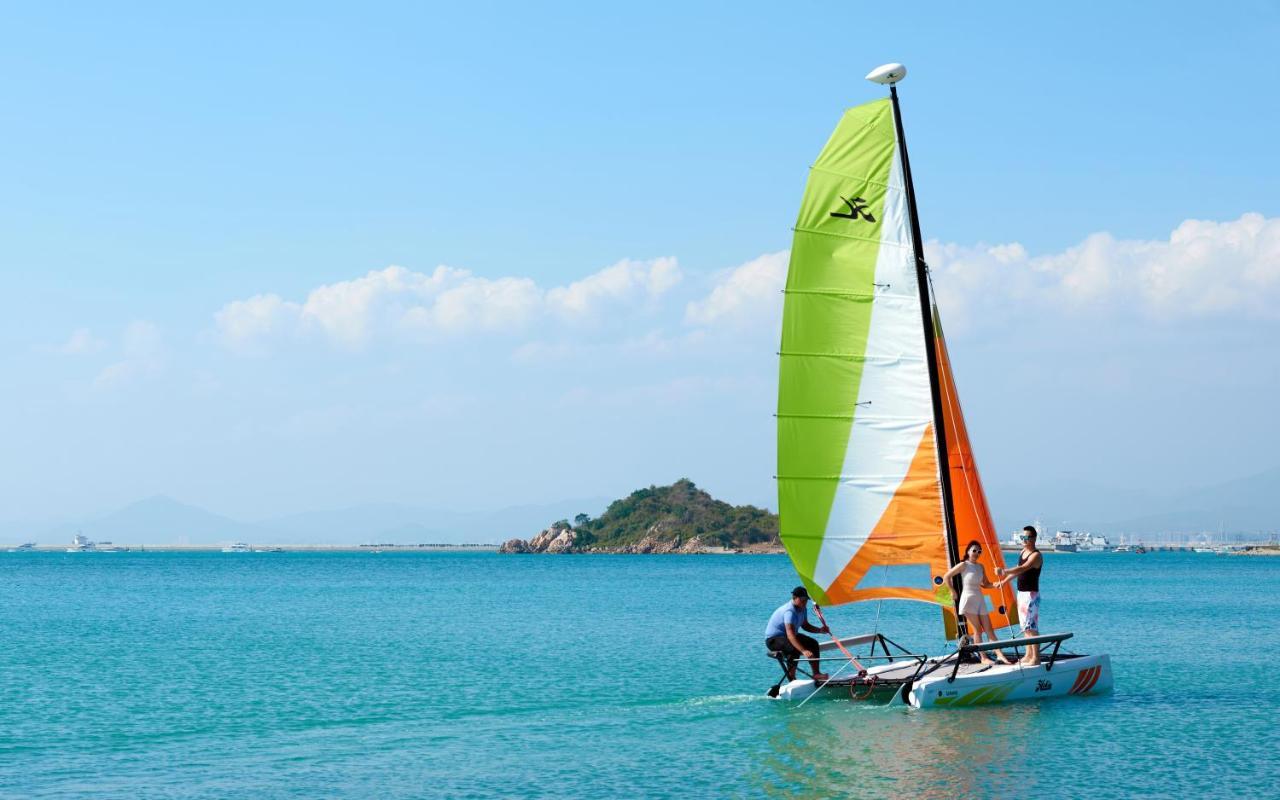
888 680
1077 676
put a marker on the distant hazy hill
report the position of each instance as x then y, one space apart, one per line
1246 505
163 521
388 523
679 512
157 520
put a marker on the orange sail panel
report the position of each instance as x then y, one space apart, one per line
973 517
909 532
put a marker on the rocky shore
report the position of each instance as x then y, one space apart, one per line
676 519
656 541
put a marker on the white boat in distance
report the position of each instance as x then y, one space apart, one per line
81 544
1064 543
238 547
23 548
875 469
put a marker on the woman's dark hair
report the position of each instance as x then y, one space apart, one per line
974 543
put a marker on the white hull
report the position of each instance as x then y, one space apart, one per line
958 679
1083 675
802 689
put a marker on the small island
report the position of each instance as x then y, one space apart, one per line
680 518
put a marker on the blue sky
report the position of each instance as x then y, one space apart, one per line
617 186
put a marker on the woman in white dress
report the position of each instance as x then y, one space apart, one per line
973 579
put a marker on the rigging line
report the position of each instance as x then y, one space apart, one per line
884 578
818 609
820 687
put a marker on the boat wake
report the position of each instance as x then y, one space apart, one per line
723 700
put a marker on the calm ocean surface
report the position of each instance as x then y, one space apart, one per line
437 675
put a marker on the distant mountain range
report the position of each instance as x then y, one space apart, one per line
162 520
1248 505
1244 506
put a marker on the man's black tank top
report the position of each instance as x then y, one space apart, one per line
1029 581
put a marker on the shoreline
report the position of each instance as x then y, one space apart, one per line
1254 550
259 548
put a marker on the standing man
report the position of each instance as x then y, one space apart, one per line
782 634
1030 561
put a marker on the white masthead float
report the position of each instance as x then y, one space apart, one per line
875 468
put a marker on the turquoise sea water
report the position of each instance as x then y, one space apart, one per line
454 675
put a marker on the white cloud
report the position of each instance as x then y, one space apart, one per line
623 282
81 342
481 305
142 353
1204 268
396 302
349 311
745 294
242 322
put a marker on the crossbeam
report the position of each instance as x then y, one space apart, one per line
1048 638
848 641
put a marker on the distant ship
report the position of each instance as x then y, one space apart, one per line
81 544
1066 542
23 548
238 547
1092 542
1130 548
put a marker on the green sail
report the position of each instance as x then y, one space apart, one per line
826 318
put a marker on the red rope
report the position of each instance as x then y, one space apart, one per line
871 686
861 669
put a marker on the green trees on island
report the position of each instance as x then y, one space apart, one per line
679 511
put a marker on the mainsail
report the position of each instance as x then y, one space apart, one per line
859 480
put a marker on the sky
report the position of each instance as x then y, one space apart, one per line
270 260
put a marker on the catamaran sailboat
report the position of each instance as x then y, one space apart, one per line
875 466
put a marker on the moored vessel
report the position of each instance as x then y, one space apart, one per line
81 544
1064 542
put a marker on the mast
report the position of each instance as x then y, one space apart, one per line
891 74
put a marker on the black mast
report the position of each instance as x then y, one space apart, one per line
931 355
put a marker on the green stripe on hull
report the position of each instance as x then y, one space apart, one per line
826 319
978 697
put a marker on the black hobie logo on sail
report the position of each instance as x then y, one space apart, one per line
857 209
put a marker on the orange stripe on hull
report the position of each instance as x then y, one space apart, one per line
1093 680
1085 679
1080 676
